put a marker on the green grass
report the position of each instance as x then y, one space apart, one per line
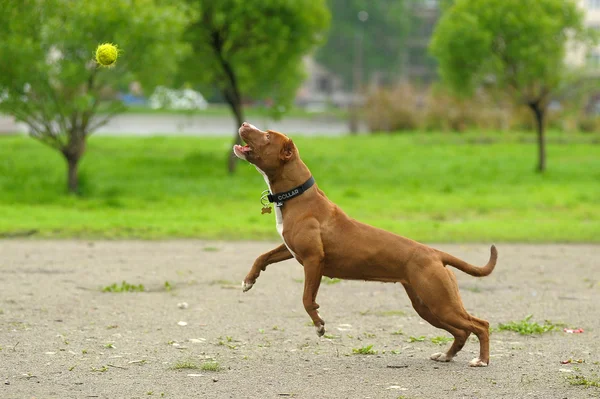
441 340
580 380
365 350
185 365
429 187
123 287
526 327
412 339
210 366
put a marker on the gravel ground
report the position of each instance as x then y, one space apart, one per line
61 337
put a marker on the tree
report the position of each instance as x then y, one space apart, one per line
253 49
48 78
510 44
382 31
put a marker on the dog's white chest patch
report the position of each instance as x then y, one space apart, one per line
278 214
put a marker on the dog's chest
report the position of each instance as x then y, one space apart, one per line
278 213
279 226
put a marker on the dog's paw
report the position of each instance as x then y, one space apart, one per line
477 362
246 286
320 330
440 357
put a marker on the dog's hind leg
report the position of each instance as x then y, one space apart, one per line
438 291
278 254
460 336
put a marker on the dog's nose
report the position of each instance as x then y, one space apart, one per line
245 124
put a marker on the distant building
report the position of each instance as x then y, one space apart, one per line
578 55
418 65
321 89
324 88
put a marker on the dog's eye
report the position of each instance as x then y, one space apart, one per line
268 136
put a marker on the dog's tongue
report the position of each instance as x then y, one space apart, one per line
245 148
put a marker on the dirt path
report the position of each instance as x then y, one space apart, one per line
60 337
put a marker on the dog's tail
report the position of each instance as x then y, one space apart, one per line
448 259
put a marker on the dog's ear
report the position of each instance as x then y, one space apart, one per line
287 151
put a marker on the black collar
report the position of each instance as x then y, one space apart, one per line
280 198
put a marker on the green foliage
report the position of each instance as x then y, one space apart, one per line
52 82
441 340
210 366
580 380
520 45
330 281
436 188
123 287
416 339
365 350
253 48
525 327
383 35
515 45
185 365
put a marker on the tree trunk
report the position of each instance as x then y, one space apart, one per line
72 175
238 112
540 114
73 153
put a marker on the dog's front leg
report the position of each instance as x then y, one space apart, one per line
278 254
313 271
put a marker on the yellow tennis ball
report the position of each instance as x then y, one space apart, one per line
106 54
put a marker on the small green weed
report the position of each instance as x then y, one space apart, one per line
365 350
109 346
525 327
398 332
210 249
416 339
383 313
584 381
123 287
185 365
210 366
441 340
168 286
330 281
100 370
390 313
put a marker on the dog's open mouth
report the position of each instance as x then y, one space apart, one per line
241 151
245 149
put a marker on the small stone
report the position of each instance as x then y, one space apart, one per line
215 380
7 383
183 305
182 323
194 375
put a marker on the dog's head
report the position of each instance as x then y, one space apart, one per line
268 150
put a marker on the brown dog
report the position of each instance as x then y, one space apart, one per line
327 242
